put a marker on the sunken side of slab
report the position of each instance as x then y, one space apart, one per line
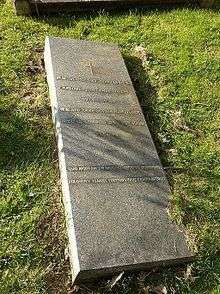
114 188
41 7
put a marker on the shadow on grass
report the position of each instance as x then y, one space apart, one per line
22 142
148 99
176 279
207 259
27 141
147 96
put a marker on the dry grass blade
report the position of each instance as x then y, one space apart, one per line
115 280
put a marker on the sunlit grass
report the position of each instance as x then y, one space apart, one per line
176 78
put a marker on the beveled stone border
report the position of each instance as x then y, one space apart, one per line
68 205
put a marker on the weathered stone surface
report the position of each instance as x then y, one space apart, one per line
206 3
22 7
40 7
114 188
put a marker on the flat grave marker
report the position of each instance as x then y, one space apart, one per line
114 188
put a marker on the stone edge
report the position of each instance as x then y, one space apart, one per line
22 7
68 206
93 274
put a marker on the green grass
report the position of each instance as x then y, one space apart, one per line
176 75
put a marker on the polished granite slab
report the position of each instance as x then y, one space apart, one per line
114 188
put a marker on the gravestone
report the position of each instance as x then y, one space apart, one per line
114 188
38 7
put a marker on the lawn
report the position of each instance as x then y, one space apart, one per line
173 59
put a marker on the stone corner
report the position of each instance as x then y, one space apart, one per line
22 7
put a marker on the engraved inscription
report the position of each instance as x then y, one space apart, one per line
99 121
98 110
94 80
113 167
118 180
97 90
102 100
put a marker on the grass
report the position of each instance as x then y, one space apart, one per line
173 59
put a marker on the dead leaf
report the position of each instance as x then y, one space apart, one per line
179 123
188 274
141 53
66 253
28 96
114 280
145 290
34 67
38 50
74 289
172 151
159 290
